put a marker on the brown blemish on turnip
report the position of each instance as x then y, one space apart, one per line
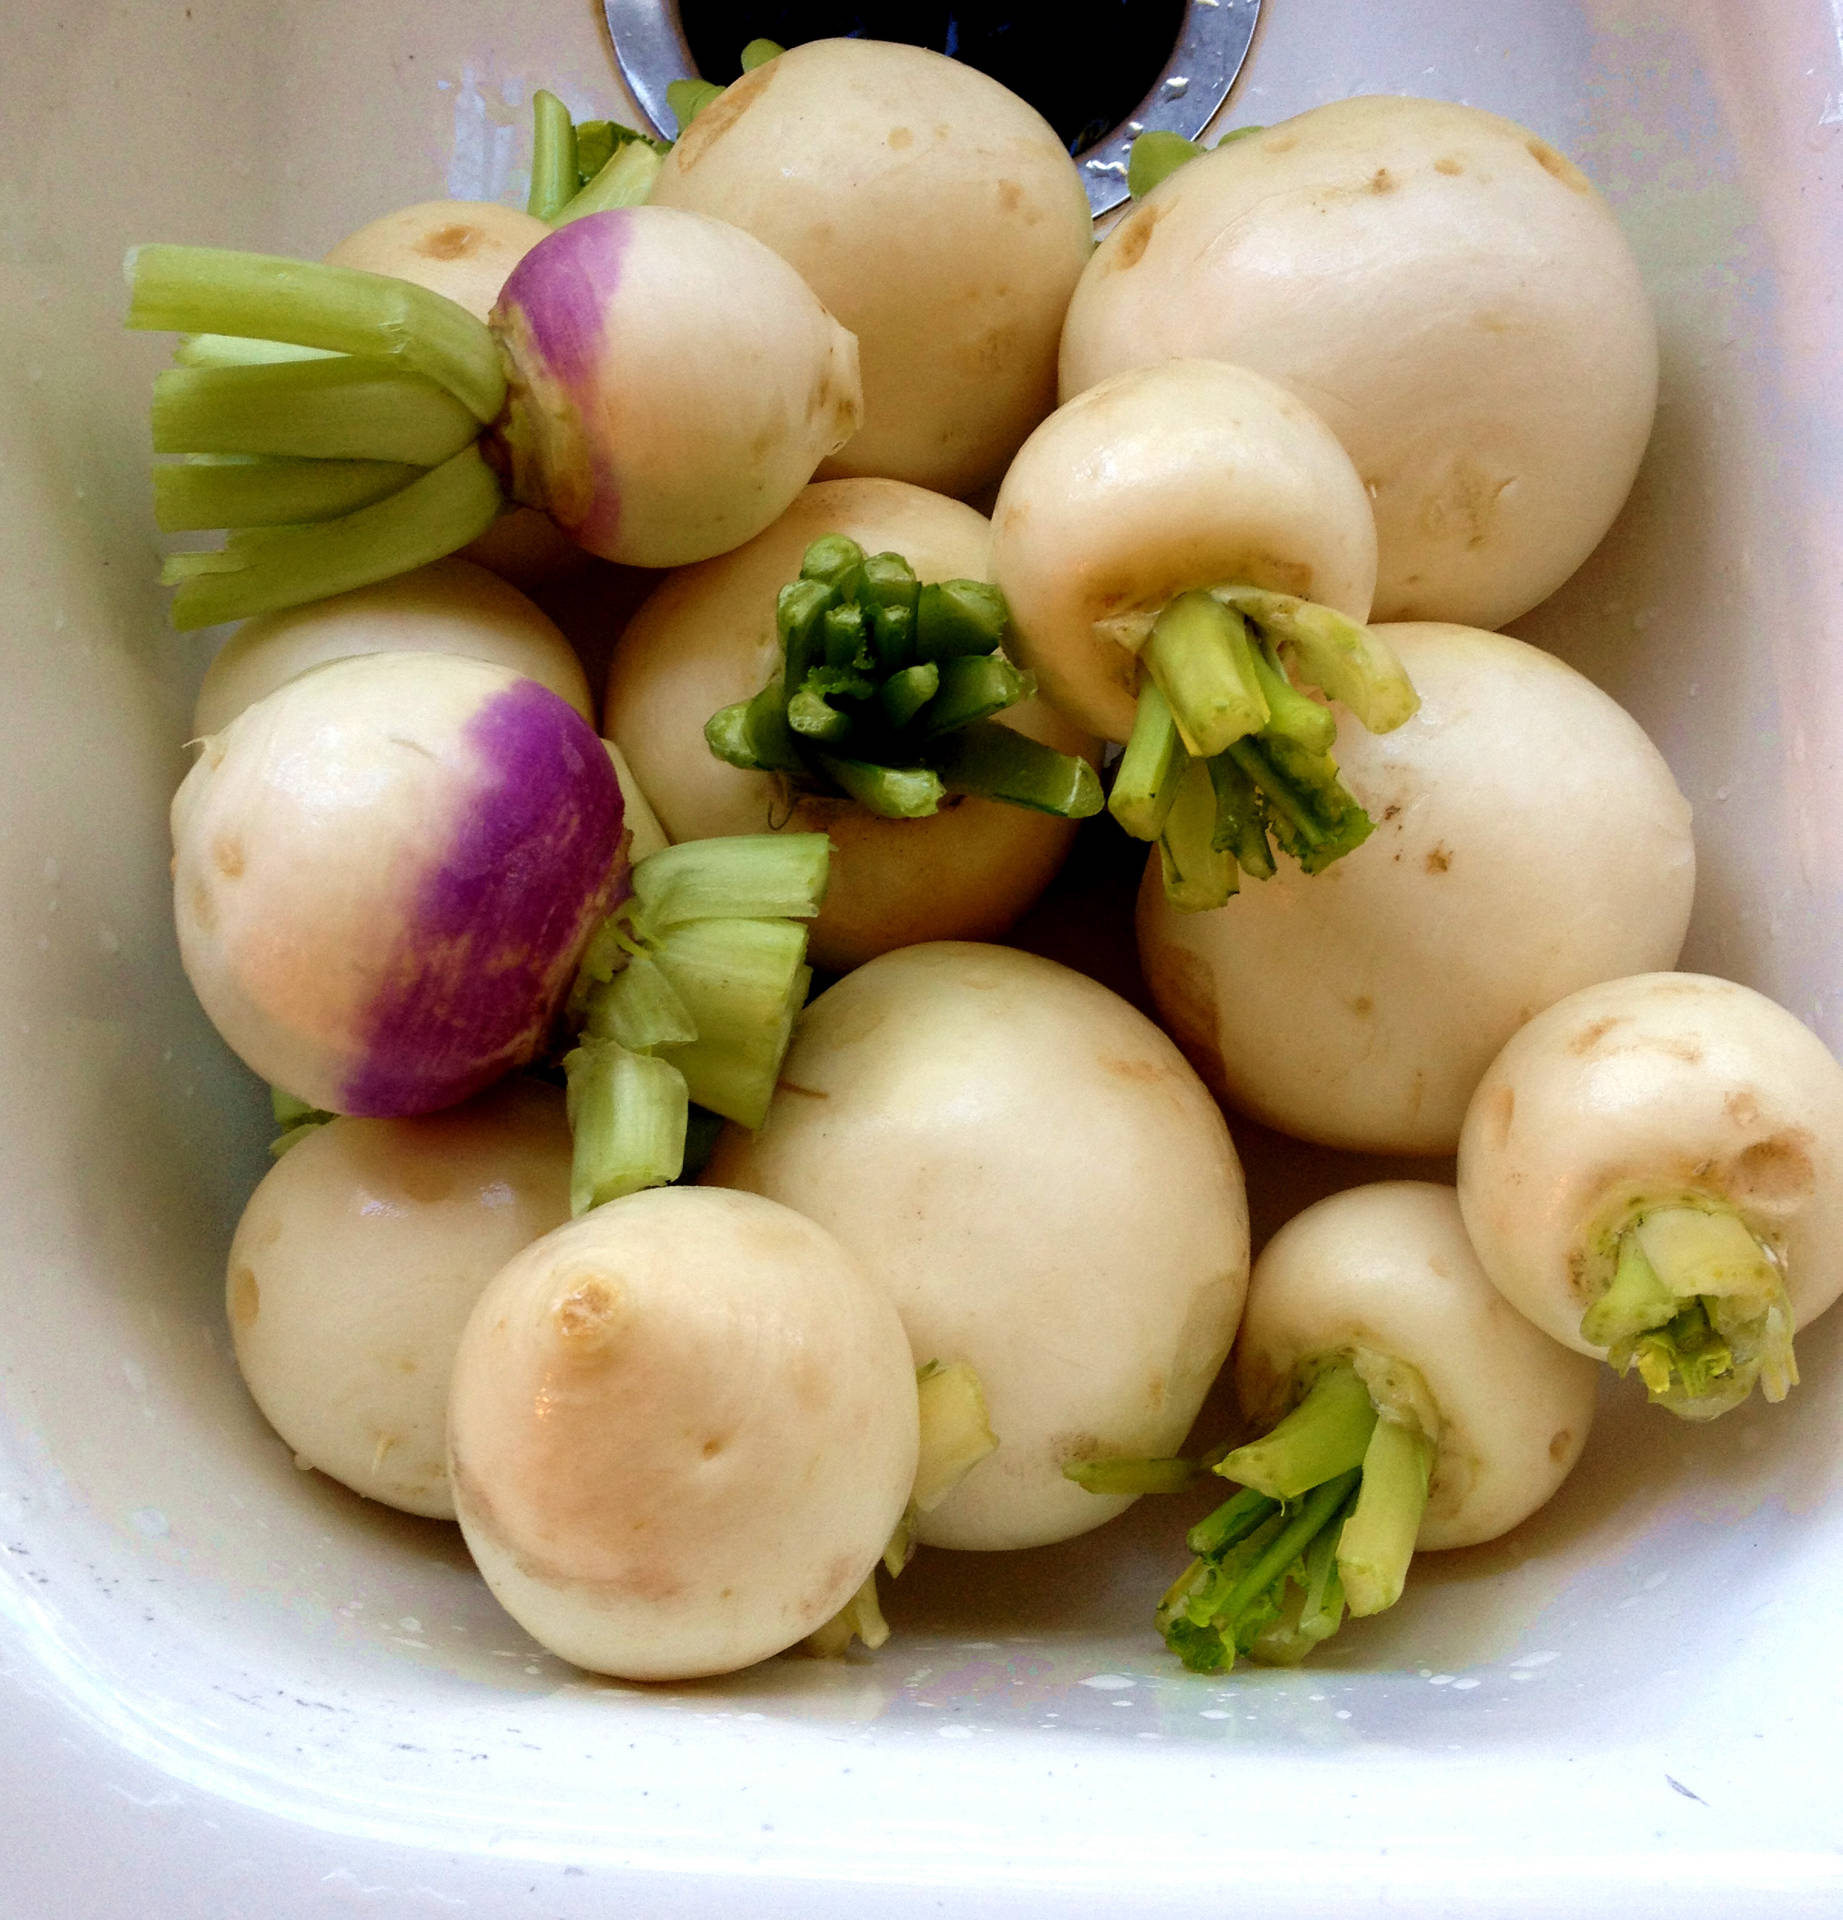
1775 1171
449 243
808 1093
715 120
1382 181
900 137
1448 165
227 855
1558 165
245 1297
1185 991
1133 236
1439 860
1280 143
1742 1108
1010 196
1362 1006
1590 1036
1561 1445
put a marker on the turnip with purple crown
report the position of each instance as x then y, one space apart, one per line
658 383
385 874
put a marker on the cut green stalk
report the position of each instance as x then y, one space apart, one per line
1325 1434
895 793
1347 660
1377 1541
996 762
1699 1307
340 408
226 350
304 303
754 734
1305 804
1126 1476
835 560
758 876
1153 155
905 693
860 1618
891 593
639 1008
973 687
207 492
688 98
1290 713
956 1432
1240 828
815 720
1312 1609
554 175
624 181
759 52
742 982
955 617
627 1115
1146 781
1198 875
1231 1523
262 569
1201 660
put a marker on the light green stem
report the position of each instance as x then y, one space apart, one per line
1377 1541
553 157
1145 783
206 493
1199 655
308 304
625 181
266 568
1326 1434
627 1114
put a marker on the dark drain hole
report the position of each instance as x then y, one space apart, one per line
1084 64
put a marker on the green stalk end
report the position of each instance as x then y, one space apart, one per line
1145 783
1698 1306
554 174
1377 1541
1154 155
1200 657
1326 1434
627 1115
1132 1477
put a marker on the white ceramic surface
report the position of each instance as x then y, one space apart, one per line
226 1689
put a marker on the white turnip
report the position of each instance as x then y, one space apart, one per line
1652 1172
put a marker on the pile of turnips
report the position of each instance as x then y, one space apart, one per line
699 1298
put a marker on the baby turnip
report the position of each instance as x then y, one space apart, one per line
1044 1188
1529 840
1403 1405
1652 1172
709 638
681 1433
1446 291
385 873
660 384
356 1264
933 211
449 606
1161 540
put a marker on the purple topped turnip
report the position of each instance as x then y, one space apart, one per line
385 874
658 383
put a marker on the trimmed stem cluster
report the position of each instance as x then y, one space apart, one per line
1330 1507
328 418
687 992
1697 1304
586 166
887 692
1227 758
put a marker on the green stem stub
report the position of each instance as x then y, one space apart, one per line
1326 1522
687 993
1219 691
887 693
1697 1305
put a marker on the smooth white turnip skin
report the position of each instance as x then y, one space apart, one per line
1653 1089
1387 1271
451 606
1044 1188
1447 291
673 384
681 1432
1529 840
356 1264
1188 474
384 873
464 249
706 638
933 211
